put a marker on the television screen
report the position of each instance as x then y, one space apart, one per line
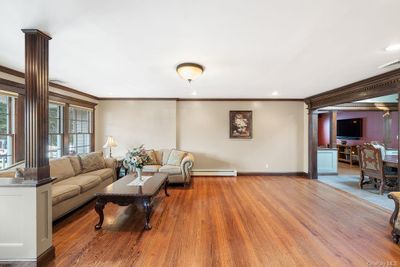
349 129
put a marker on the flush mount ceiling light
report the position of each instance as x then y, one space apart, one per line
189 71
393 47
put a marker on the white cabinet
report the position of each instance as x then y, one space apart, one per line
327 161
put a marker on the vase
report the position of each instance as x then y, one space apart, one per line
139 173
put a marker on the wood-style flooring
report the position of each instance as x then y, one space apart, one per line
243 221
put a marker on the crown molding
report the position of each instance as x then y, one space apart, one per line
379 85
200 99
51 84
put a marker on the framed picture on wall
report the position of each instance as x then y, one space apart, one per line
241 124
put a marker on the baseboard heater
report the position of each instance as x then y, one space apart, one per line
213 172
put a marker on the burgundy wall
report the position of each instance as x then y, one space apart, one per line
372 126
323 129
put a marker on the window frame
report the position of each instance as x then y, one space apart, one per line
76 133
60 131
10 131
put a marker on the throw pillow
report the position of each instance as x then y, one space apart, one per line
92 162
76 164
61 169
175 157
153 158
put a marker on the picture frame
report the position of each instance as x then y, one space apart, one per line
241 124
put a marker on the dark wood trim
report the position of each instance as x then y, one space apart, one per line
65 130
19 128
12 72
93 134
51 84
7 85
198 99
332 129
383 84
36 105
46 256
312 144
362 107
72 90
70 100
398 143
299 174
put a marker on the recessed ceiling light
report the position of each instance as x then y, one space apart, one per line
194 93
275 93
393 47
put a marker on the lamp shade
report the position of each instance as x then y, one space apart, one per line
110 142
189 71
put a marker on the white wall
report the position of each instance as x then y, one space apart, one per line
278 135
202 127
133 123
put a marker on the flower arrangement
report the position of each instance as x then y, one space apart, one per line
136 157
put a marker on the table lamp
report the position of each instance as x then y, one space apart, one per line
110 144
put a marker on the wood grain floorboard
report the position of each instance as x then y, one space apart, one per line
244 221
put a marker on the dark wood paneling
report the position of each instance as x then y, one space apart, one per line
36 105
312 144
52 84
383 84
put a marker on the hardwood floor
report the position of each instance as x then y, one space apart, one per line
244 221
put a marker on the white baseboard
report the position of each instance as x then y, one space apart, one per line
214 172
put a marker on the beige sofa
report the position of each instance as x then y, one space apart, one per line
77 180
178 164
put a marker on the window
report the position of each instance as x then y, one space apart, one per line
80 130
7 126
56 126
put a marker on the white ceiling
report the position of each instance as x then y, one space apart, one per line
249 48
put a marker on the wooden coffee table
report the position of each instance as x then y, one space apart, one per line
122 194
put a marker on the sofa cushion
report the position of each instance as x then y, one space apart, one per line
104 174
151 168
165 156
171 169
175 157
85 182
159 156
76 164
61 169
62 192
92 162
153 158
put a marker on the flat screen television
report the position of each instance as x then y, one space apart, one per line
349 129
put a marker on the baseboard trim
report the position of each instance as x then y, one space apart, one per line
214 172
328 174
298 174
46 256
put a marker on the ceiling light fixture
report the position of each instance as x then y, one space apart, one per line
189 71
393 47
275 93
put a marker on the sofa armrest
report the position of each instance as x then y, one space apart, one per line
186 166
111 163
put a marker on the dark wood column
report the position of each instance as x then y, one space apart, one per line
332 128
36 105
312 144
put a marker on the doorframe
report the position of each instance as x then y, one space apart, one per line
384 84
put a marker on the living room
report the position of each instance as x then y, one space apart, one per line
225 101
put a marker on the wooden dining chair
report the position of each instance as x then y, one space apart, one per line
371 165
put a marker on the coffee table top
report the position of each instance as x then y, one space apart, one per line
121 187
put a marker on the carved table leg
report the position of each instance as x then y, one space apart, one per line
99 209
147 209
165 187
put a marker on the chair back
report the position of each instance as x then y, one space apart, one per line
371 163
